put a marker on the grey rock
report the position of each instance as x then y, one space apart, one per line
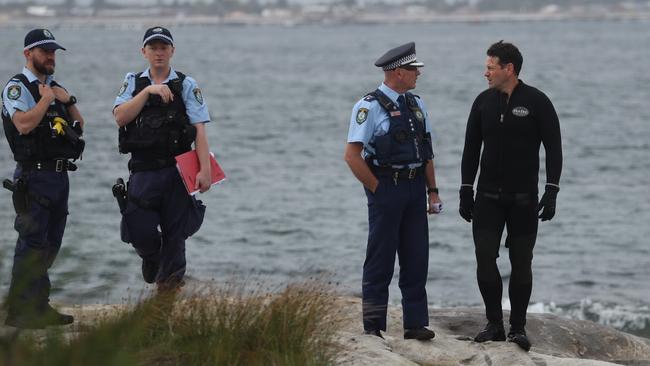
556 342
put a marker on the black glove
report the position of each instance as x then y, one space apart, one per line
547 203
466 203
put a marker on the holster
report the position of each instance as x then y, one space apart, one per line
120 194
19 195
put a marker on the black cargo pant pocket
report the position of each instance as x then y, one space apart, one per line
195 216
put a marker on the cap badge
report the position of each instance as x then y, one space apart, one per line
47 33
197 95
520 111
362 115
14 92
157 30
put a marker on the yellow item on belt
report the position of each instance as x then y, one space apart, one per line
58 125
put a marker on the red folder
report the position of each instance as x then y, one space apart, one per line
188 167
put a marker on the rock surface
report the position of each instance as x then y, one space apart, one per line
556 342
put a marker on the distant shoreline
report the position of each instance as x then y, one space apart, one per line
242 19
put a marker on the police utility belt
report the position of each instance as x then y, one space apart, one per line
58 165
396 173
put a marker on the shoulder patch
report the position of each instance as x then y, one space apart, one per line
14 92
520 111
362 115
123 88
197 95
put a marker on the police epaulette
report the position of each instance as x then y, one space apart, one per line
369 97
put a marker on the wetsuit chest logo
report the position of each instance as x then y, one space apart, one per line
520 111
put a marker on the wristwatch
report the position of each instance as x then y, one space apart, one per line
71 101
432 190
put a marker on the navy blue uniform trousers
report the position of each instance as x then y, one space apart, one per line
159 219
397 215
40 232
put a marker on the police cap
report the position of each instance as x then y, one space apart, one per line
399 56
157 33
41 38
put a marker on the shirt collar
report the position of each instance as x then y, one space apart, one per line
31 77
172 75
392 94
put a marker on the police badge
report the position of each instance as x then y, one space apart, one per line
47 33
419 115
197 95
362 115
14 92
123 88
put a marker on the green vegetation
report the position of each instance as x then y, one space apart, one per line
211 327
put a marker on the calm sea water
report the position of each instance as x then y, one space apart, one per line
280 100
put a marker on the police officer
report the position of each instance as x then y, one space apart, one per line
509 120
160 113
389 151
43 127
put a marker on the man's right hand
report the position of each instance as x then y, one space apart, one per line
162 90
466 208
46 93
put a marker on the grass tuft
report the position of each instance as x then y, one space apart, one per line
214 326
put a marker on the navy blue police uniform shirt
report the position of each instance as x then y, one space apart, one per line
369 120
196 108
16 96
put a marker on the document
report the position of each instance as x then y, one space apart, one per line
188 167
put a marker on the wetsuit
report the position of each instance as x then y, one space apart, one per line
510 133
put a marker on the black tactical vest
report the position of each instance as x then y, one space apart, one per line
43 142
407 140
161 130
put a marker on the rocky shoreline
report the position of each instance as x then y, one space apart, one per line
556 341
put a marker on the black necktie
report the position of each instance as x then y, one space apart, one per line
400 102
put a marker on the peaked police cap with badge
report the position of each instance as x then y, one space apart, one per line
41 38
403 55
157 33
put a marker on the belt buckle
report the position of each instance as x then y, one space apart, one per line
412 173
59 166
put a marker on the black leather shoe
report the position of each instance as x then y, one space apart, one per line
374 332
52 317
421 334
519 338
38 320
149 270
492 332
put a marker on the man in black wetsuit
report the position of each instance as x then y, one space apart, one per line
510 119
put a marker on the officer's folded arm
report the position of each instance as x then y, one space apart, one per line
25 122
127 111
359 167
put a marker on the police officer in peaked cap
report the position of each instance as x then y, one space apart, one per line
390 152
161 113
43 127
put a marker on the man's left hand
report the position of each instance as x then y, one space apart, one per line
547 203
203 181
435 204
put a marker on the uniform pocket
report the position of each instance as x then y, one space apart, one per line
125 235
194 217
